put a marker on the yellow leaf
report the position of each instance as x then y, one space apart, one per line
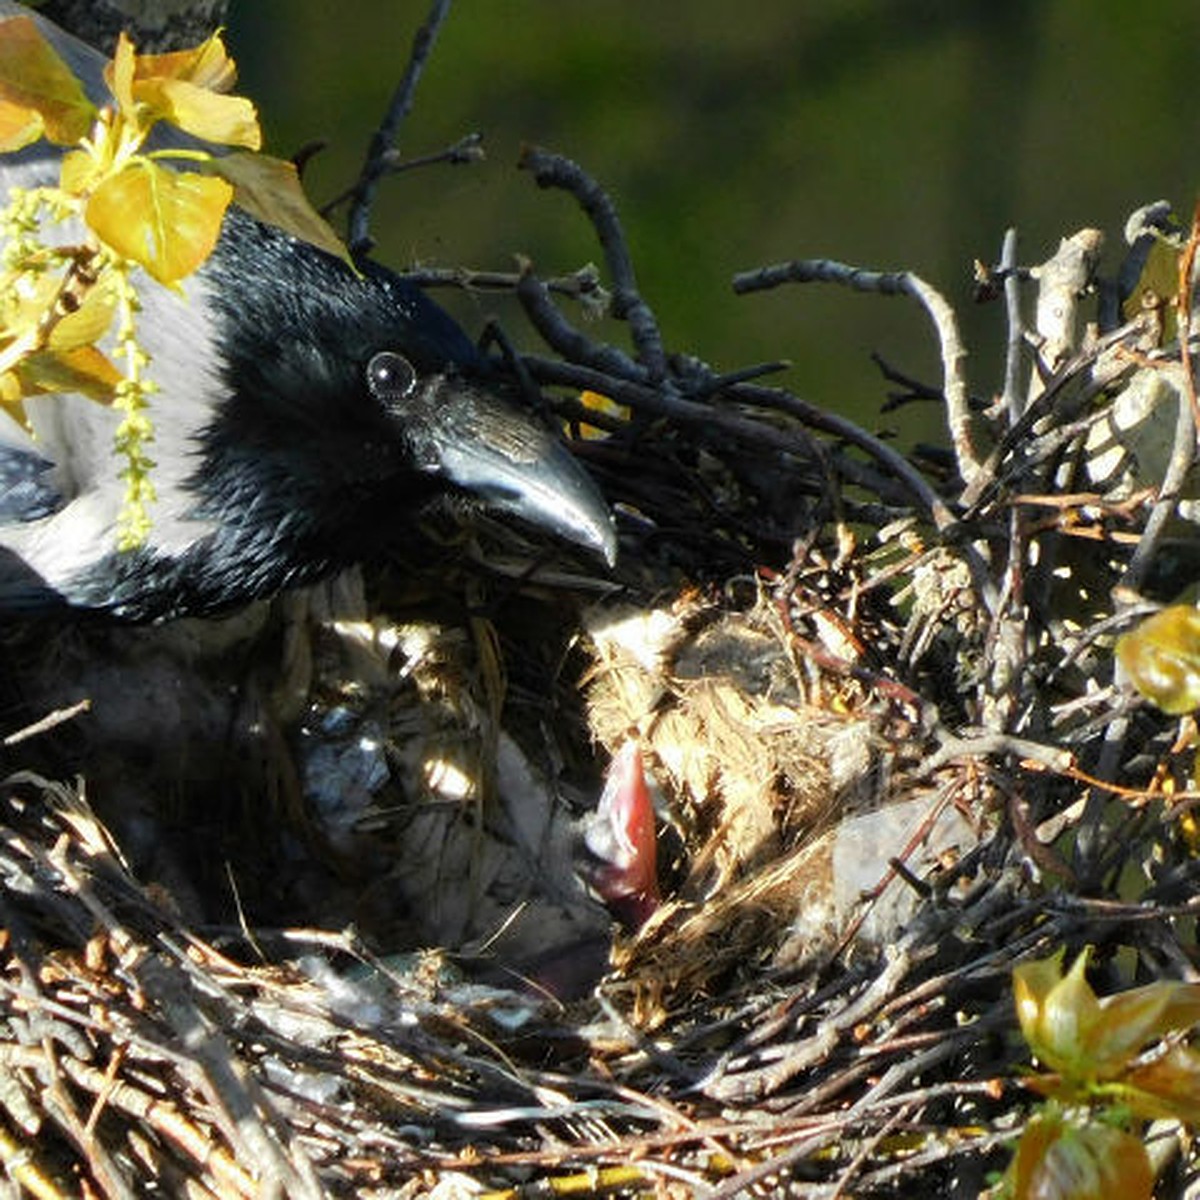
84 369
25 306
598 402
10 392
87 324
78 172
168 222
1162 658
1057 1160
19 126
226 120
207 65
1189 822
34 78
270 189
118 74
184 88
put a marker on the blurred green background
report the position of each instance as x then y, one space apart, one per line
888 134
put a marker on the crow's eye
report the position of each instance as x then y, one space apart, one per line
391 377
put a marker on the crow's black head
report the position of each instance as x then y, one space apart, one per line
353 405
309 417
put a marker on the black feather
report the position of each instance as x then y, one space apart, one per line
301 463
26 491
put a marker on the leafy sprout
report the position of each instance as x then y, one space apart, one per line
1118 1061
69 302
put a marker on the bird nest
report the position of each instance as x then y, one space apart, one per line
874 694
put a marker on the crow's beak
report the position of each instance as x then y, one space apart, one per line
510 463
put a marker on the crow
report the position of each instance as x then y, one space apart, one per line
310 415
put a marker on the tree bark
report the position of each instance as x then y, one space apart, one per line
154 25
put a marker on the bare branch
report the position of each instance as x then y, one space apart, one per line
1062 280
823 270
383 141
553 170
1012 303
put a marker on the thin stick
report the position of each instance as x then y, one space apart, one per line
384 139
893 283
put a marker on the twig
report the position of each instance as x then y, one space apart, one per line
568 341
914 389
1062 280
215 1071
554 170
1183 454
1183 311
50 721
162 1115
582 285
870 1145
894 462
711 384
1183 449
729 1083
829 422
1099 365
1000 691
984 745
893 283
23 1166
384 138
1012 304
468 149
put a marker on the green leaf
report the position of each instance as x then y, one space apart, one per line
1132 1019
1057 1012
1166 1088
1091 1040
